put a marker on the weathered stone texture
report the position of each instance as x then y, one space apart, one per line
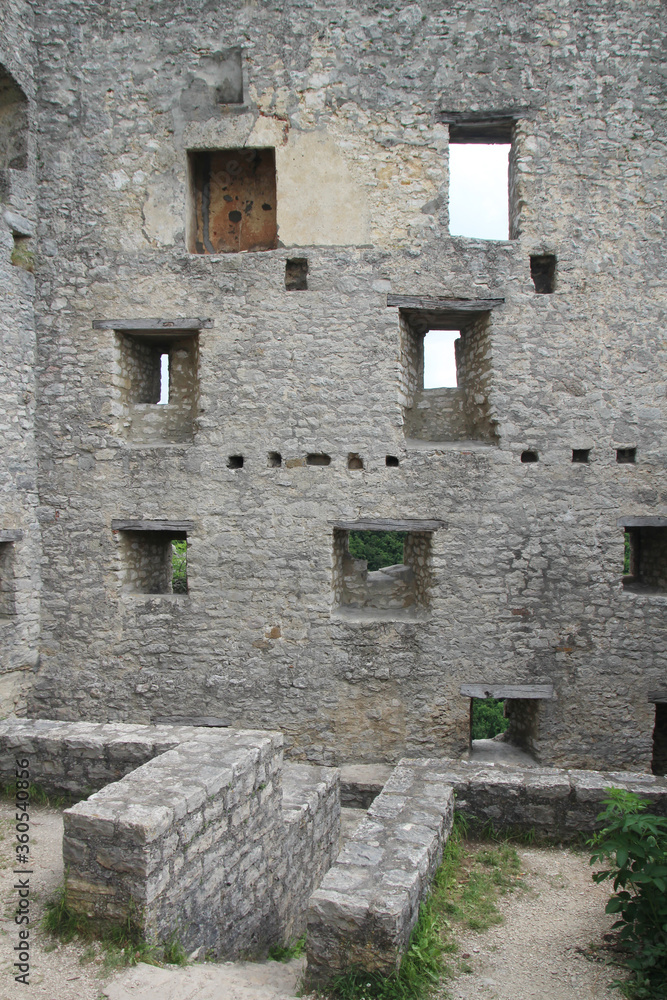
525 579
188 832
367 905
19 558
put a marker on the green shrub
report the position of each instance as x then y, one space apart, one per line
488 718
634 844
378 548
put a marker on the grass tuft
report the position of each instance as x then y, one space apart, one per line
121 944
285 953
464 892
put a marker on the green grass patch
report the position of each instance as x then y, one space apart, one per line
285 953
463 894
39 797
121 944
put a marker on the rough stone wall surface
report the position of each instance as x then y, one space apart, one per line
527 572
188 831
19 527
364 911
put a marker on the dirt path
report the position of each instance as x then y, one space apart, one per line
533 954
537 950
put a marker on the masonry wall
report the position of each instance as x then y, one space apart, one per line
20 549
526 574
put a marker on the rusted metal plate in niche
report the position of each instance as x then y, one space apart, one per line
235 198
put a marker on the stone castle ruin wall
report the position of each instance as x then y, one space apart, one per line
293 333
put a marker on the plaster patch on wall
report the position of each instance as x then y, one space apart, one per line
163 210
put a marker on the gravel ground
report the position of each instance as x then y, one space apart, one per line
541 950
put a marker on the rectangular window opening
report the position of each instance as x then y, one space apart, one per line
659 760
233 200
626 456
157 385
318 458
296 274
580 455
479 190
504 730
154 562
543 273
645 559
446 369
381 574
440 359
6 580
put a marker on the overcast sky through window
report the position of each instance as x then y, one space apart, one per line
478 207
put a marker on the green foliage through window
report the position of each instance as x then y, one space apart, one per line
378 548
488 718
179 566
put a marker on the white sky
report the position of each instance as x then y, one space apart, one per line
478 207
164 379
439 361
478 190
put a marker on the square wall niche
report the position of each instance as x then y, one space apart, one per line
7 584
400 591
153 556
646 561
157 381
459 409
232 200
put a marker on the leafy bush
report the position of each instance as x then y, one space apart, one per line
179 566
378 548
634 843
488 718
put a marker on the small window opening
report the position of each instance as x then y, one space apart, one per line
296 274
659 761
391 461
154 562
645 559
233 200
354 461
440 359
626 456
6 579
235 462
275 459
318 459
179 566
580 455
479 190
13 124
156 370
487 718
22 254
381 571
543 273
164 379
529 456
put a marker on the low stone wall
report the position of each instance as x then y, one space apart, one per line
78 758
367 905
311 815
198 841
365 909
555 803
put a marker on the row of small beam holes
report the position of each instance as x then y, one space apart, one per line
624 456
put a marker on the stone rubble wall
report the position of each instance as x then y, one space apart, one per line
368 903
187 832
